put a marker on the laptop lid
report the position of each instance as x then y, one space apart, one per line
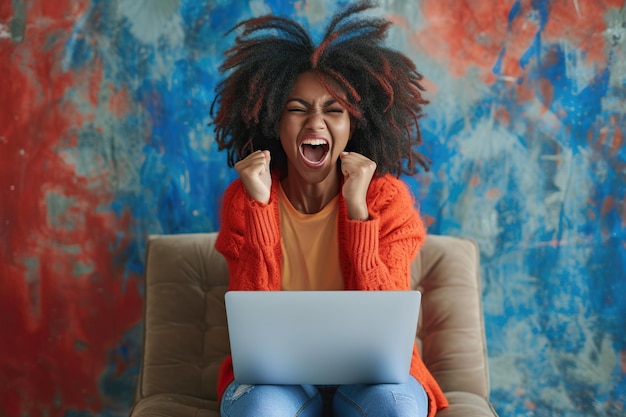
322 337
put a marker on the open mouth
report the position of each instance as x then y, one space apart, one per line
314 151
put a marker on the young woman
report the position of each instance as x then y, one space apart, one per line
319 136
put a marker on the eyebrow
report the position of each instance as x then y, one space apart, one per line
307 104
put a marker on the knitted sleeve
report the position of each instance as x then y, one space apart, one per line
249 240
380 251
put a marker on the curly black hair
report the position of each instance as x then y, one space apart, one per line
383 88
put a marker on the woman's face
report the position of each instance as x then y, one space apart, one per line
314 128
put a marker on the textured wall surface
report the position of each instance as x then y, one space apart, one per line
104 107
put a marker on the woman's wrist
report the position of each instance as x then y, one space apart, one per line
358 212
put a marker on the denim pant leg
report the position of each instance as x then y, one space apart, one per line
271 401
392 400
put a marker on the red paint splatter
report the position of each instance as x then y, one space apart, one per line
493 193
502 114
607 205
468 35
428 220
63 301
618 136
583 24
591 214
119 102
398 21
530 405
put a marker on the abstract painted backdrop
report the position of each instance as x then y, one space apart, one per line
104 139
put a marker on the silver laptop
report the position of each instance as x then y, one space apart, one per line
322 337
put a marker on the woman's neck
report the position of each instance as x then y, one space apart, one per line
310 198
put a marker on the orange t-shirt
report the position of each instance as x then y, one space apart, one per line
310 248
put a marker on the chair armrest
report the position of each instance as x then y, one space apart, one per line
185 333
451 329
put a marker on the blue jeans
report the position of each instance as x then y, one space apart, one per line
392 400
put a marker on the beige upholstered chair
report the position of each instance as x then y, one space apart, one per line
186 339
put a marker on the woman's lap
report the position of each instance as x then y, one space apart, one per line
271 401
398 400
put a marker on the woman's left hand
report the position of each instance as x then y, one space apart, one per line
357 171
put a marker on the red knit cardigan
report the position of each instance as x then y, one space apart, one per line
374 254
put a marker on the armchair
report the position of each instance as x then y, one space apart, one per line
186 338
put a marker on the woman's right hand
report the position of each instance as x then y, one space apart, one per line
254 172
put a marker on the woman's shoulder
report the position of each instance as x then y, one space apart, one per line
388 193
389 186
388 179
234 191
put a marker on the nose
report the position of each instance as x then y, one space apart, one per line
315 121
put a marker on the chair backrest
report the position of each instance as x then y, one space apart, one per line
186 338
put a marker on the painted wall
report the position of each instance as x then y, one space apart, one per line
104 139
